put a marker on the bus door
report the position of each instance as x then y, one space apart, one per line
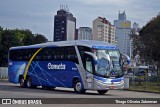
88 62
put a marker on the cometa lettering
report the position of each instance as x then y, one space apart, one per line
55 66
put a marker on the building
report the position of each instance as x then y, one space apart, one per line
76 34
123 31
103 30
64 25
84 33
135 27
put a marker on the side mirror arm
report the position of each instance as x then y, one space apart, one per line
126 58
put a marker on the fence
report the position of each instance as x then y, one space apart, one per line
3 73
144 83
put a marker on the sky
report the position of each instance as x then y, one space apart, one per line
38 15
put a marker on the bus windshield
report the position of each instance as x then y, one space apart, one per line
109 63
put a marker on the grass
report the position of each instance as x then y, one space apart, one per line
149 87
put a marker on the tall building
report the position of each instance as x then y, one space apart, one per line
135 27
84 33
103 30
64 25
76 34
123 31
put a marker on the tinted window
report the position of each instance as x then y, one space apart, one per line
46 54
21 54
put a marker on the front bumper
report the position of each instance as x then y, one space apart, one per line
108 85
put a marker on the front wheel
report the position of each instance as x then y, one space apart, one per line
78 87
101 92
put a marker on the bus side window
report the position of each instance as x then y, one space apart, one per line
47 53
83 49
57 52
38 57
71 54
20 56
12 55
89 63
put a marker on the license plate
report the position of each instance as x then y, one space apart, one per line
112 87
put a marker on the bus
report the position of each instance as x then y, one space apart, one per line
79 64
140 72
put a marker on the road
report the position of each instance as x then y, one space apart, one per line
9 90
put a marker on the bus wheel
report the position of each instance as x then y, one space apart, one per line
29 82
22 82
78 87
101 92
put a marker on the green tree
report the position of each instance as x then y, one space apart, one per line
149 37
20 35
38 38
8 39
27 38
16 37
136 42
1 31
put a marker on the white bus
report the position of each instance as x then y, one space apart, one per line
81 64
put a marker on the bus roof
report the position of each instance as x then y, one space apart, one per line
87 43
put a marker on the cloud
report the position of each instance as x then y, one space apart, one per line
38 15
101 2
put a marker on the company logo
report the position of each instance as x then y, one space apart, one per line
21 101
56 66
6 101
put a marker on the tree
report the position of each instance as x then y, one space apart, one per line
28 37
149 37
10 38
1 31
135 41
38 38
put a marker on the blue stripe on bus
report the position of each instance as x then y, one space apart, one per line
117 79
100 78
108 79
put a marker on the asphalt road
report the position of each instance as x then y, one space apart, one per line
9 90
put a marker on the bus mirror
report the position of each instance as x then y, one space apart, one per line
125 58
93 56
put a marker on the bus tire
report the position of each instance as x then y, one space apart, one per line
22 82
101 92
29 83
78 87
